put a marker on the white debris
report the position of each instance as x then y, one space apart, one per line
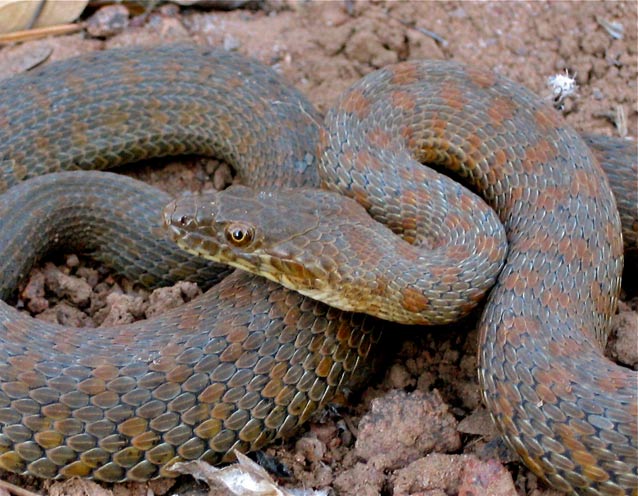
614 28
244 478
561 86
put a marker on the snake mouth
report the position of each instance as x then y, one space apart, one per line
185 220
193 223
176 222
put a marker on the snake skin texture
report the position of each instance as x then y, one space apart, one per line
569 412
618 159
249 361
245 363
317 242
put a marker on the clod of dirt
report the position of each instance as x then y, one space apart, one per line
82 487
360 480
310 448
486 477
466 475
62 285
399 377
120 309
64 314
108 21
163 299
435 474
78 295
78 487
479 423
623 345
33 293
402 427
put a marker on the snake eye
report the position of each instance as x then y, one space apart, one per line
239 234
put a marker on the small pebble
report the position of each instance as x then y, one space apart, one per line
72 261
310 448
108 21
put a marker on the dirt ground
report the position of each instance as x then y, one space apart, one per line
419 427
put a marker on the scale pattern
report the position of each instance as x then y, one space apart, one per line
236 375
569 412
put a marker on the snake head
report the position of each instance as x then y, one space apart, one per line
275 234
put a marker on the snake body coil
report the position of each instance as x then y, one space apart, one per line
249 361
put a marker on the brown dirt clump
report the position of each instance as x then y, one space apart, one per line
382 441
401 427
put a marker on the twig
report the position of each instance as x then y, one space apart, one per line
18 491
620 121
615 29
426 32
34 34
617 117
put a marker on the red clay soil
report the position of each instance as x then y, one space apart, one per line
419 427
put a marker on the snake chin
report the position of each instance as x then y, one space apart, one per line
195 224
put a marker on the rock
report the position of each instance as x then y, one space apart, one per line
360 480
108 21
402 427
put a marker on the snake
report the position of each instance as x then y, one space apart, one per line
249 361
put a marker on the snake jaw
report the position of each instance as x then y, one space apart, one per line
206 226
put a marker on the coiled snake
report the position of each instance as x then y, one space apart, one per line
249 361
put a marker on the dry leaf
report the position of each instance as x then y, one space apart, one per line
20 58
244 478
16 15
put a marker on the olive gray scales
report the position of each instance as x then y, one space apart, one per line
567 411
